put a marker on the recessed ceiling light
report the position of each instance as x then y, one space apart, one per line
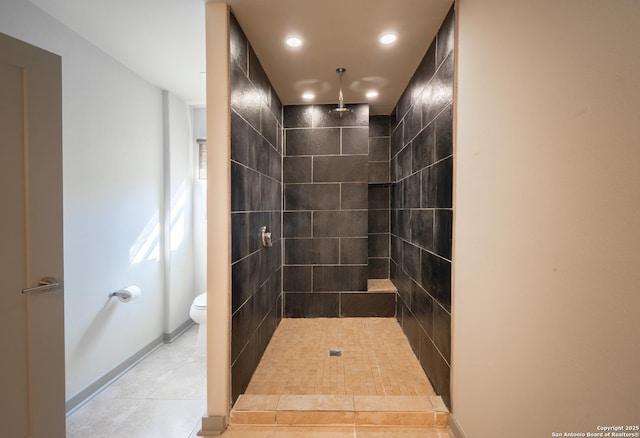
372 94
294 41
388 38
308 96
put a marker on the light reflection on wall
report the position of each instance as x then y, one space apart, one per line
178 201
147 244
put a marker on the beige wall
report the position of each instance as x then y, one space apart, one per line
218 219
546 329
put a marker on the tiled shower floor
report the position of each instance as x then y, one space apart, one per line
376 359
375 388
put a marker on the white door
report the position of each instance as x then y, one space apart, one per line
32 398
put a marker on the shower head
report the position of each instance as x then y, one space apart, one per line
341 109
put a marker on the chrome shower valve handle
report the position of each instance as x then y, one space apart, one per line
265 236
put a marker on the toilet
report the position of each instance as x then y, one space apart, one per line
198 314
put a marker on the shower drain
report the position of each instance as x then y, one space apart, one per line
335 352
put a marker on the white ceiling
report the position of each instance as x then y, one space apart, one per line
164 42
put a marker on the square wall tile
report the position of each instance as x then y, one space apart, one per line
258 76
396 250
311 196
296 224
378 268
378 172
436 369
353 251
422 226
339 278
422 305
411 261
379 221
379 198
297 116
404 162
321 141
397 137
424 148
404 224
346 168
411 191
311 251
427 67
443 232
439 91
413 120
354 196
269 125
379 149
240 140
444 133
436 278
368 304
239 236
238 44
296 169
242 96
311 305
445 38
343 223
244 279
378 245
404 104
355 141
296 278
442 332
378 126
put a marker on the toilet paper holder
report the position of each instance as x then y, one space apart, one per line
127 294
265 236
120 294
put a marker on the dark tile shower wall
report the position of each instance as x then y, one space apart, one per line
379 196
256 201
422 208
325 219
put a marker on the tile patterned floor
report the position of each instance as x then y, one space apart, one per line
163 396
376 359
376 380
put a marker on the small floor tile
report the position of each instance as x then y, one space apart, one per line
375 359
